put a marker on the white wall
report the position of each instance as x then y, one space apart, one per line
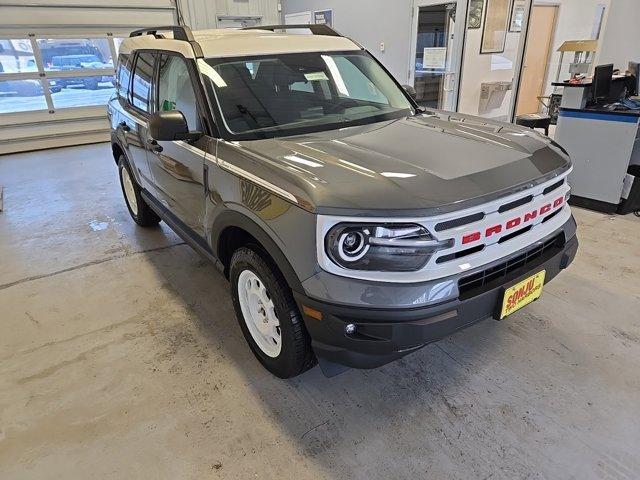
203 14
620 42
370 22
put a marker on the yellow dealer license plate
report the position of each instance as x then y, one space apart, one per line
522 294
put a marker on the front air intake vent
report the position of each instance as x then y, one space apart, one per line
485 280
553 187
510 206
459 222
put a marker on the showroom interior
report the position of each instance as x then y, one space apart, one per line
127 343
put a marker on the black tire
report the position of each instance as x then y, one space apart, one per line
145 217
296 355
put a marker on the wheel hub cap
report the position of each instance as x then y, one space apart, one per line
259 313
129 191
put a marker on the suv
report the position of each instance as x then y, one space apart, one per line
74 62
354 226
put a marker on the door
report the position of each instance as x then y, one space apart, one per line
178 166
536 59
135 114
438 36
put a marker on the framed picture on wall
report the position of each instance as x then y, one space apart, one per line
496 23
517 15
476 8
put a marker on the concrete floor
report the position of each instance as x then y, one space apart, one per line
121 358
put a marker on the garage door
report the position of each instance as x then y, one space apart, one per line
57 67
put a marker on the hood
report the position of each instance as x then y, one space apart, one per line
431 163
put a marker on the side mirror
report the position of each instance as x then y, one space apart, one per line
411 91
168 126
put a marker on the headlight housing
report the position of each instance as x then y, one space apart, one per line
381 247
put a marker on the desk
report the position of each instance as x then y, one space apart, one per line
576 95
602 145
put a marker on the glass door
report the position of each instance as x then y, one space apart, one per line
437 51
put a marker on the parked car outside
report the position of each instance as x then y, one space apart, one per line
74 62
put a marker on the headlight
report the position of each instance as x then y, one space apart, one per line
383 248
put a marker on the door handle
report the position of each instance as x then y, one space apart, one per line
124 126
153 145
448 81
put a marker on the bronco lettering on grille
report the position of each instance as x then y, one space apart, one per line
522 220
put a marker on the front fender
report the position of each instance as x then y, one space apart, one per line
271 243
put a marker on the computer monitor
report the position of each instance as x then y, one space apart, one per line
602 82
634 69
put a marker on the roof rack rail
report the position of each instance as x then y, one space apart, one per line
180 32
315 28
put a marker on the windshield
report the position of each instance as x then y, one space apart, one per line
287 94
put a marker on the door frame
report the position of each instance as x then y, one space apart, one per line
460 34
522 49
557 6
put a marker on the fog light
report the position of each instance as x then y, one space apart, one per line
350 329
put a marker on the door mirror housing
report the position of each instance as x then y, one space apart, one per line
411 92
170 125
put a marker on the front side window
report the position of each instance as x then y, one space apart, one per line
141 85
296 93
175 90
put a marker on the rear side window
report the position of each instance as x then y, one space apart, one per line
142 75
124 75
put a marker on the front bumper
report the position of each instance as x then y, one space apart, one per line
386 334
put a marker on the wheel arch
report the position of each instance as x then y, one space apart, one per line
117 150
232 230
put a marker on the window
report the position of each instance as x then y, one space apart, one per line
141 88
21 96
302 92
16 56
124 75
175 90
82 91
356 84
76 72
75 53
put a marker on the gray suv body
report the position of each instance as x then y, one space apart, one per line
354 226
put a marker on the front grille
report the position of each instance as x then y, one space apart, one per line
485 280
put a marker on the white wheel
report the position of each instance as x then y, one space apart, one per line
129 191
259 313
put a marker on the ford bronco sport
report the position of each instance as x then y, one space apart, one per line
354 226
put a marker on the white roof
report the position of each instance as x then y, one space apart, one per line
218 43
